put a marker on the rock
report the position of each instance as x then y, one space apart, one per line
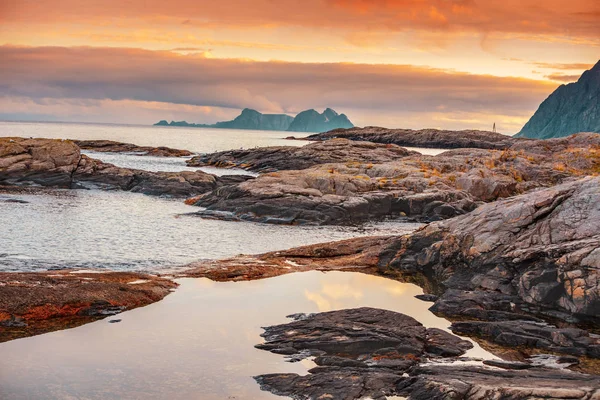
477 383
374 353
32 303
518 273
427 297
109 146
114 321
58 163
361 255
423 188
508 364
536 250
569 109
43 162
270 159
97 174
424 138
515 333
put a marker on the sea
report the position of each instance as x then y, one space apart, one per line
197 343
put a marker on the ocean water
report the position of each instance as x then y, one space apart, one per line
130 231
199 140
197 343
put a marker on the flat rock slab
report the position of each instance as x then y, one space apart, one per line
38 302
110 146
374 353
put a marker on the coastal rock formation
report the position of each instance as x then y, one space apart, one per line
59 163
38 302
416 186
38 160
571 108
305 121
271 159
426 138
109 146
520 273
91 173
374 353
313 121
538 251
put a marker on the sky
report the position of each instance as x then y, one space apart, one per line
451 64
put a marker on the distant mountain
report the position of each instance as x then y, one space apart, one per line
252 119
570 109
306 121
312 121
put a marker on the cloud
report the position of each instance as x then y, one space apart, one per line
563 78
576 18
141 75
564 66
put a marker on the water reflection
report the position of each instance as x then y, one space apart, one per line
195 344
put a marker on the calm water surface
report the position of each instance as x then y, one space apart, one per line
129 231
195 344
198 342
200 140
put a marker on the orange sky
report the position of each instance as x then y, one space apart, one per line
398 63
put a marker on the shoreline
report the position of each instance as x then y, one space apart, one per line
510 259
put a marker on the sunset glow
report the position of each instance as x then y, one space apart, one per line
397 63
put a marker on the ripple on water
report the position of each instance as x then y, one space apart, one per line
130 231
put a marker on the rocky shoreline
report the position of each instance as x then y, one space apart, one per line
426 138
372 353
510 257
110 146
403 184
38 302
60 164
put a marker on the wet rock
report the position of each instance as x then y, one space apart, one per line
427 297
528 334
270 159
109 146
444 344
366 333
508 364
371 353
13 322
38 302
477 383
426 138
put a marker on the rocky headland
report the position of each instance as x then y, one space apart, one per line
60 164
402 184
425 138
571 108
